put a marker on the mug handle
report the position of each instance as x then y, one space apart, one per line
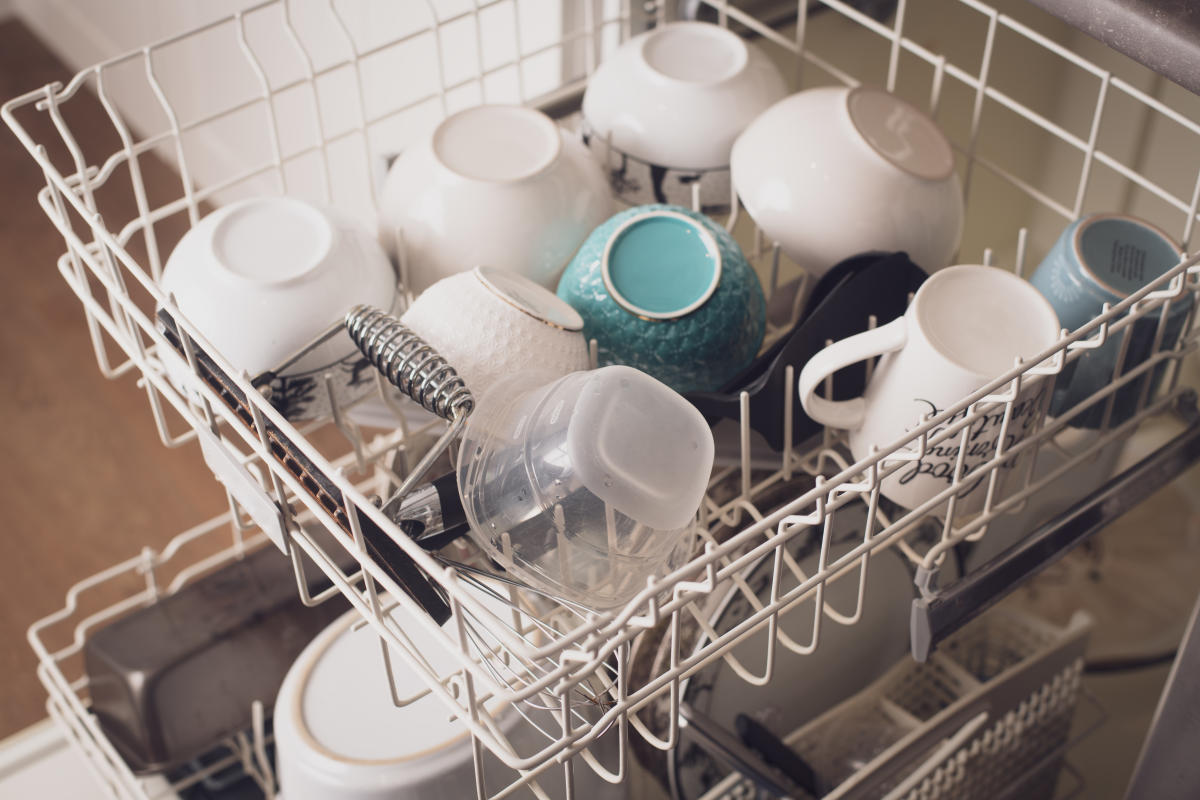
859 347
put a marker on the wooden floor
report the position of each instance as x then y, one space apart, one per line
85 480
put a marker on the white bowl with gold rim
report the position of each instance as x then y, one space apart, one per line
489 324
833 172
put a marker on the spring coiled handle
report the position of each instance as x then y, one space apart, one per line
408 362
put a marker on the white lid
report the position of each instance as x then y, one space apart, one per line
639 446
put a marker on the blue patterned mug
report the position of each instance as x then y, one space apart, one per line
1101 259
668 291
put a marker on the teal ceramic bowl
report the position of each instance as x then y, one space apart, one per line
1101 259
668 291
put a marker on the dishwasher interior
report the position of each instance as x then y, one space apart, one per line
819 640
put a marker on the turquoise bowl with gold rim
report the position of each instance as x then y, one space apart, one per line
668 291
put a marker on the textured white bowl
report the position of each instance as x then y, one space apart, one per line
496 185
491 324
679 95
833 172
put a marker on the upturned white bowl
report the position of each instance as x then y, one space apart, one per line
663 110
262 278
679 95
832 172
496 185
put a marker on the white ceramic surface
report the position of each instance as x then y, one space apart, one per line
339 737
496 185
678 96
262 277
833 172
965 327
490 324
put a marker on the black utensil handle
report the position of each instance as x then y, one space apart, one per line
436 541
399 566
775 752
722 744
453 514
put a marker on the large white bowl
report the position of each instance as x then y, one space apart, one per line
497 185
338 735
261 278
679 95
833 172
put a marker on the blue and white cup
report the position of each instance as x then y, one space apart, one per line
668 291
1101 259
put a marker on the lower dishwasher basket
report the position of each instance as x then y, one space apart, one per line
987 716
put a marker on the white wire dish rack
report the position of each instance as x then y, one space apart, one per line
310 92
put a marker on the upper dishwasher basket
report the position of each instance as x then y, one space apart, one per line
1041 134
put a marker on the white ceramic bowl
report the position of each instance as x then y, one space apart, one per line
676 98
338 735
261 278
833 172
490 324
496 185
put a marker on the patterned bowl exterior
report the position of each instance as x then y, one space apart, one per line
700 351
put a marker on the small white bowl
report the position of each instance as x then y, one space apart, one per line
673 100
490 324
833 172
262 278
496 185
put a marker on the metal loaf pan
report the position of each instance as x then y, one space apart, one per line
170 681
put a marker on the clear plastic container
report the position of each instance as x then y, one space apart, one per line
585 486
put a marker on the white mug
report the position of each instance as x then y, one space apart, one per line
965 327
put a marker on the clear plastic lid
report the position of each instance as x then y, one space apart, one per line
636 445
585 486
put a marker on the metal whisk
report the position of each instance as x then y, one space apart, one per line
409 363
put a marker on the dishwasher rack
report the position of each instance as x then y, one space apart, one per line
310 84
